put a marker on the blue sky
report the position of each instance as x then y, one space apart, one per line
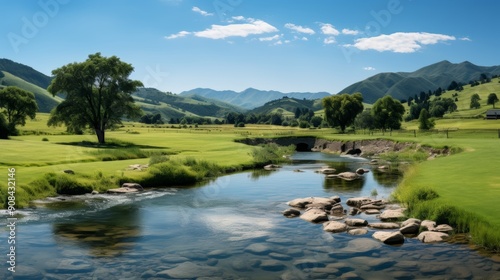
285 45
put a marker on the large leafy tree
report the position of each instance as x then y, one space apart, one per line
342 109
492 99
98 94
17 105
388 113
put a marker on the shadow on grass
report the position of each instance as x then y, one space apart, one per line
110 144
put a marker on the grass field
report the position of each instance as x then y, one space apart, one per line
468 181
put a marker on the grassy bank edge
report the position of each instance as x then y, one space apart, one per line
163 172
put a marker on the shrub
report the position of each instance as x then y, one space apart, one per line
45 139
271 153
168 174
304 124
158 158
65 184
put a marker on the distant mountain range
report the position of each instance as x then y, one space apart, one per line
252 98
204 102
402 85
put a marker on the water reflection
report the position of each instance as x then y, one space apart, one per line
388 178
340 186
108 233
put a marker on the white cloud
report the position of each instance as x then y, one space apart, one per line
178 35
272 38
241 18
300 29
201 12
400 42
369 68
253 27
329 40
346 31
465 39
278 43
328 29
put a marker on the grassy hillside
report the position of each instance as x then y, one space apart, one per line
25 72
402 85
464 97
286 104
44 99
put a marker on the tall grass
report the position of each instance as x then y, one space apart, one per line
424 202
271 153
177 172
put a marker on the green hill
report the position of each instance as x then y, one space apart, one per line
175 106
287 106
43 98
464 96
402 85
24 72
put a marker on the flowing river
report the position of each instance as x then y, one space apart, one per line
228 228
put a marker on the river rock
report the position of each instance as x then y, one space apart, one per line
122 190
326 170
432 236
272 167
410 229
281 257
272 265
358 231
189 270
357 201
354 211
428 224
70 266
314 215
372 206
356 222
384 225
308 263
348 176
362 171
258 249
390 238
350 275
392 215
337 209
411 221
174 259
443 228
218 254
372 212
291 213
334 226
300 202
132 186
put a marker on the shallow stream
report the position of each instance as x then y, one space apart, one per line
228 228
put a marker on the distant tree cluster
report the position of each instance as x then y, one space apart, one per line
386 114
151 119
16 105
